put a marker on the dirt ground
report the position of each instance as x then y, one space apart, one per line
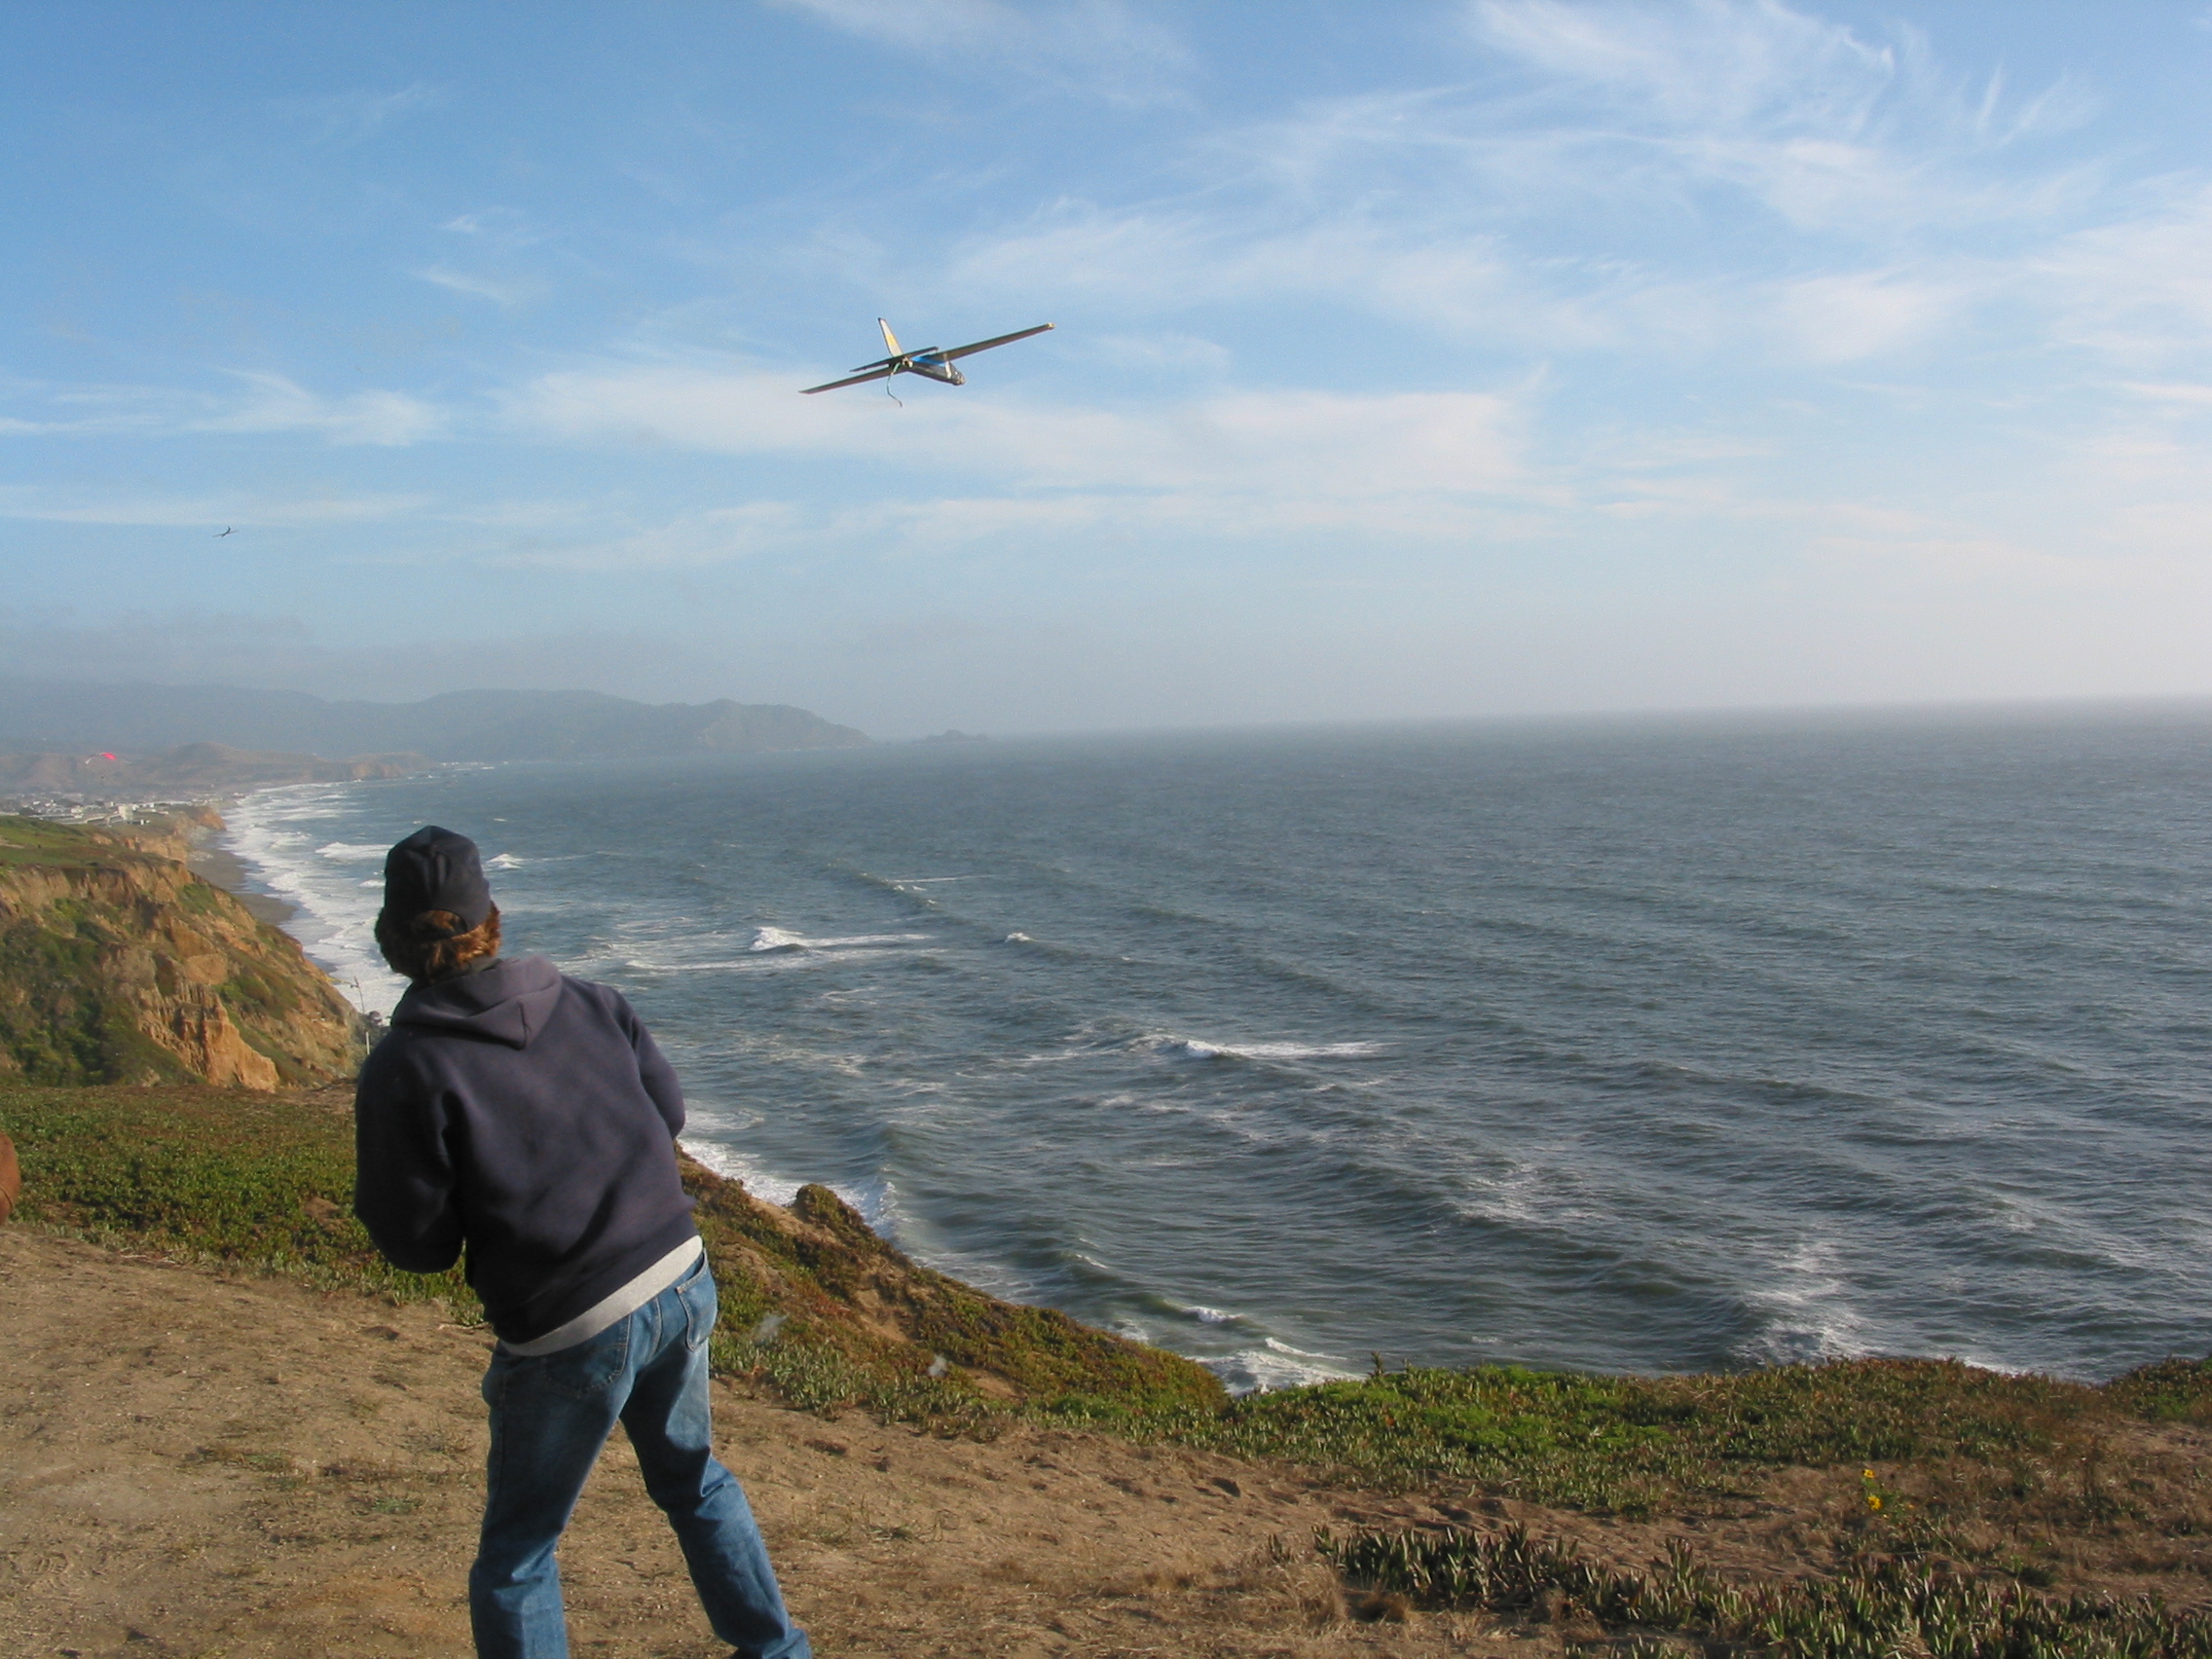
207 1465
204 1465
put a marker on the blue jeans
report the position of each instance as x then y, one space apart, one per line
551 1415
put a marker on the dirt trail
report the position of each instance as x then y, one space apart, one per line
203 1465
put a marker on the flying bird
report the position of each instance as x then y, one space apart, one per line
932 365
225 531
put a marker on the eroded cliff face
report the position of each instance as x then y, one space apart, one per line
119 965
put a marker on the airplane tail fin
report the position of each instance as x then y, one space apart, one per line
890 339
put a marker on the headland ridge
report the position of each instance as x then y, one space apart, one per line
52 717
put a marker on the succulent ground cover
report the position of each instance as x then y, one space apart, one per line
1875 1607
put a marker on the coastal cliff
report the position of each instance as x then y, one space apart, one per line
119 965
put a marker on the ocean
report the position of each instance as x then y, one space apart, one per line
1646 1045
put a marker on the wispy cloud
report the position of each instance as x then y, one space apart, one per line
261 403
1101 47
504 227
1239 457
503 293
351 118
720 535
1715 176
2134 288
244 509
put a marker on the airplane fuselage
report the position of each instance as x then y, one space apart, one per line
931 367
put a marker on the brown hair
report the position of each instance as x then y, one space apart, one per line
426 949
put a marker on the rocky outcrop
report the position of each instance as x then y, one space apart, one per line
119 965
816 1277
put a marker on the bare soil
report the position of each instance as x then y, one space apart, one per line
212 1465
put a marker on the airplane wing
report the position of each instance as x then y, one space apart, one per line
852 380
986 345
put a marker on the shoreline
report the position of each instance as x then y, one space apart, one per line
224 868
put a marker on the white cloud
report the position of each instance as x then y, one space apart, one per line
2195 396
502 227
1099 47
274 404
509 293
53 505
1168 349
1606 194
1707 64
1681 180
2137 287
350 117
264 403
717 537
1857 315
1309 448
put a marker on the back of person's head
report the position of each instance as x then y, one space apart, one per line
438 919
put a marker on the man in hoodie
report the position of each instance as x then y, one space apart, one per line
528 1117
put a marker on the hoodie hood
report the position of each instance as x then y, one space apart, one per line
508 1002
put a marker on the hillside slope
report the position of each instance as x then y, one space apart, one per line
119 965
810 1295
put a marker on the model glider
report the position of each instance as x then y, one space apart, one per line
932 364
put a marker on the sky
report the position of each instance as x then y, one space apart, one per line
1412 360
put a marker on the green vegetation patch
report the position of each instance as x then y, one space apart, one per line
266 1182
208 1176
36 841
1636 1444
1878 1608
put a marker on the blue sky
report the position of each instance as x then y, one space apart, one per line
1412 360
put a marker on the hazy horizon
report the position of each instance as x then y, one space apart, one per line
1441 359
2059 711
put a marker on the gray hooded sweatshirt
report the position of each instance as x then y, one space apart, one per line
530 1117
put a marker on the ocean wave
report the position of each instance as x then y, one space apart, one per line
352 852
1262 1370
283 837
504 861
777 938
1198 1049
1805 1313
1194 1312
876 1201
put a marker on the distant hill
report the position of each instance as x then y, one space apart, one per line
53 716
192 769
